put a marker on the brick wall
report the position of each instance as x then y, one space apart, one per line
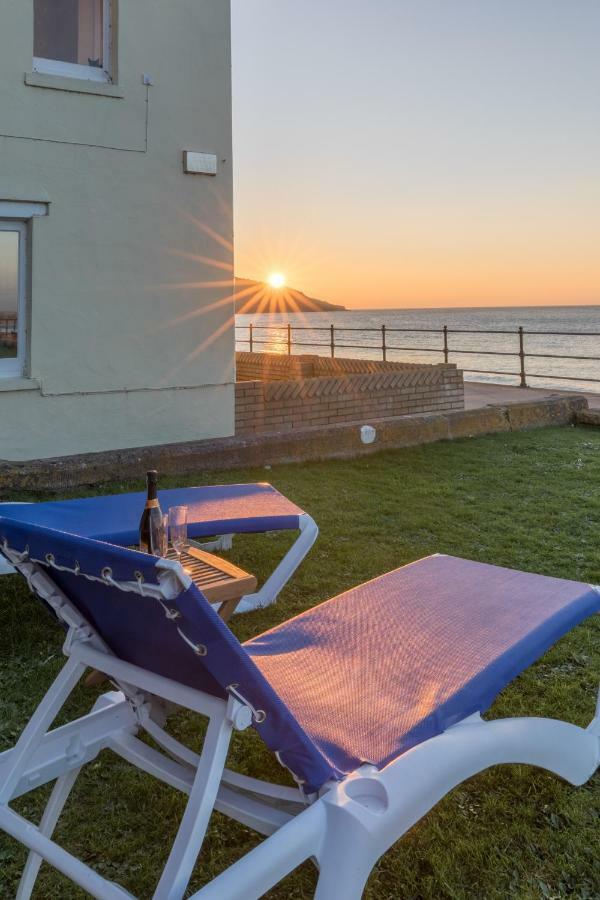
376 391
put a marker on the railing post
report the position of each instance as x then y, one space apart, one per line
383 344
522 357
251 339
332 340
446 351
289 339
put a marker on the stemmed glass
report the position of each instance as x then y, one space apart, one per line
178 529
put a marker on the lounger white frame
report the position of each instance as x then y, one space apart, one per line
344 830
276 581
280 576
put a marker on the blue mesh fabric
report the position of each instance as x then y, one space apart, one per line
218 509
385 666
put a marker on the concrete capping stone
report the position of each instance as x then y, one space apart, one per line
335 441
588 417
551 411
280 366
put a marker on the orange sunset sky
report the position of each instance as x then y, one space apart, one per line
400 153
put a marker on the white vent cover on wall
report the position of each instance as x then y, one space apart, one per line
199 163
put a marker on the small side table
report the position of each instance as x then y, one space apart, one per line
221 582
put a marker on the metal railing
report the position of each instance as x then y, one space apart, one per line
254 340
8 330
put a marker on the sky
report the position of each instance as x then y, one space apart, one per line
419 153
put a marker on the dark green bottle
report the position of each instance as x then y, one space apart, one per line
151 524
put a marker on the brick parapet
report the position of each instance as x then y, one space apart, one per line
381 390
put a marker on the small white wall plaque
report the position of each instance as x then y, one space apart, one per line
199 163
368 434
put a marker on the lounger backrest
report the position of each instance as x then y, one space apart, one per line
182 638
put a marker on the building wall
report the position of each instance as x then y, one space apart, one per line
131 340
384 390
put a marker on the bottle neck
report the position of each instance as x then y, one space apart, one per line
152 499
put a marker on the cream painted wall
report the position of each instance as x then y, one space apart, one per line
124 309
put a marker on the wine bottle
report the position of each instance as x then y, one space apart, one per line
152 528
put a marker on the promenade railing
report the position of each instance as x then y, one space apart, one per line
339 338
8 329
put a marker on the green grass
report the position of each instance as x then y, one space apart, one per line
530 501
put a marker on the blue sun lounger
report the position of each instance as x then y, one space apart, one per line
217 511
372 700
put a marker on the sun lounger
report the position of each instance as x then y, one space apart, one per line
218 511
372 700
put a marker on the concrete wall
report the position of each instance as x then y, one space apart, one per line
130 344
380 391
342 441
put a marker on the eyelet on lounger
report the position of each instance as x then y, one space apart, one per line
107 573
259 715
77 567
200 650
138 575
50 559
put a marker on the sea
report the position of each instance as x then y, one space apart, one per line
561 343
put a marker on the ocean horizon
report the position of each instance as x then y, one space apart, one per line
549 332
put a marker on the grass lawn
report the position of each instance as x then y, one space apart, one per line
530 501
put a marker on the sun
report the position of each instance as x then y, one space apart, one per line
276 280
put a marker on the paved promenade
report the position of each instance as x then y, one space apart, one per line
478 394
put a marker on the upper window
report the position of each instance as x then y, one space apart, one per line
13 236
72 37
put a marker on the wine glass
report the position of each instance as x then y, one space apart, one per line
178 529
159 532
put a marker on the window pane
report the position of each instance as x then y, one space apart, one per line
70 31
9 293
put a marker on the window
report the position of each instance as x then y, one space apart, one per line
72 37
13 237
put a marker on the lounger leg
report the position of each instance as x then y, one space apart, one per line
190 836
38 724
262 868
344 877
279 578
222 542
73 868
54 807
5 567
348 851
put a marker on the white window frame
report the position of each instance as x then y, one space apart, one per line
74 70
14 367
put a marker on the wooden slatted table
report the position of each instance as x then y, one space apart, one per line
220 581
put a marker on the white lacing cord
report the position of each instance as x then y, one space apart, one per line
170 614
307 798
259 715
136 586
199 649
